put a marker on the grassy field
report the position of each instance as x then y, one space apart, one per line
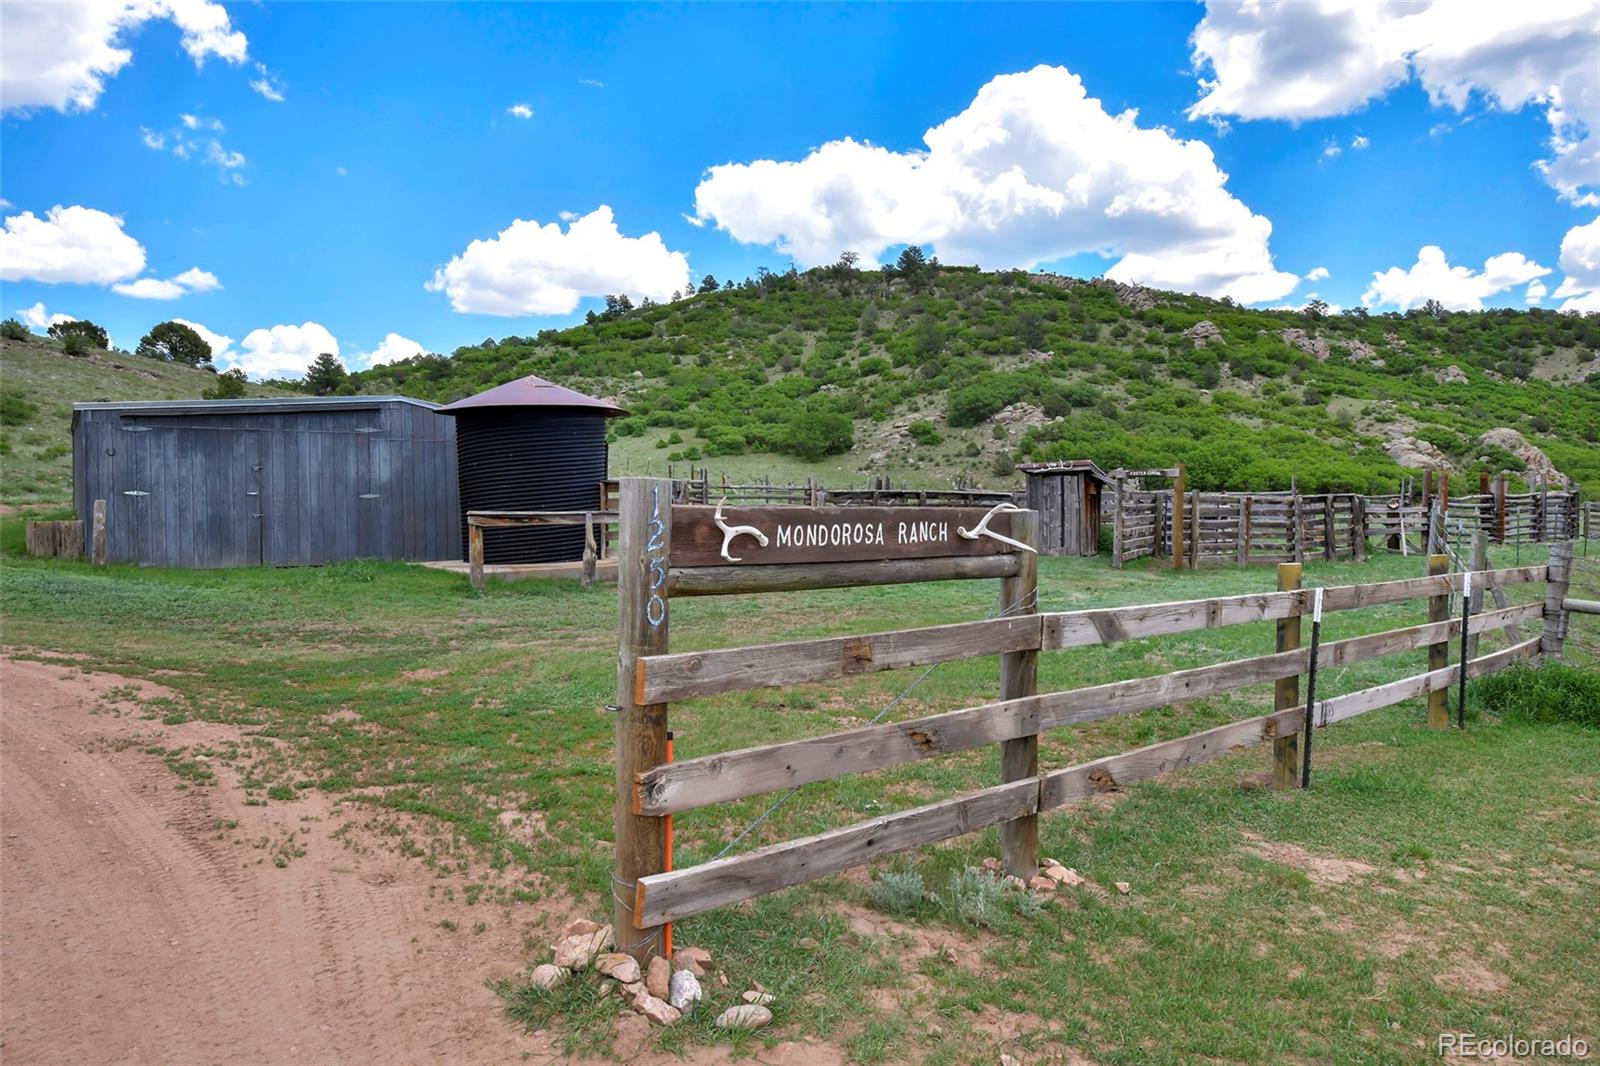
1430 881
40 385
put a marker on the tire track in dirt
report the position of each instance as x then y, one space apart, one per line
134 929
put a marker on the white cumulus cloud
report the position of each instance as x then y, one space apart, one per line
533 269
1033 170
192 280
1535 294
1304 59
70 244
393 349
282 351
221 346
520 110
39 320
1317 274
1580 263
1360 143
59 55
1458 288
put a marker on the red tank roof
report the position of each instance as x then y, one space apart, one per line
532 391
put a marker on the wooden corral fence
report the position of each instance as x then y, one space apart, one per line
1237 527
669 551
698 486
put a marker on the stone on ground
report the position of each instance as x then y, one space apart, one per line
618 967
696 960
547 975
658 1011
744 1016
760 999
658 977
578 951
685 991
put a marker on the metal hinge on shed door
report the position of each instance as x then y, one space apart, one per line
134 492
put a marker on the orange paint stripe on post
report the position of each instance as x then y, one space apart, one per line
666 938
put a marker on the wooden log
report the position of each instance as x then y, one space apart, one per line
41 539
1573 606
1358 528
99 544
1019 678
1115 772
475 555
670 896
1327 528
69 539
1118 530
586 578
1555 597
1439 653
1286 691
726 580
641 729
1500 508
1194 530
698 782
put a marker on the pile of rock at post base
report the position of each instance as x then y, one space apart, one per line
663 991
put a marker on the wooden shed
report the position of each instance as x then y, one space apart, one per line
274 482
1067 497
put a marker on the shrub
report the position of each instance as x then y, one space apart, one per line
12 330
16 408
90 333
897 893
1549 693
811 434
75 344
924 432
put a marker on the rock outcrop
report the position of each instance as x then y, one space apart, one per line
1414 454
1537 462
1299 338
1203 333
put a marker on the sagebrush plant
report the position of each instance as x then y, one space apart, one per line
898 893
1542 694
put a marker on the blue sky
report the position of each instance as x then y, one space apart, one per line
393 148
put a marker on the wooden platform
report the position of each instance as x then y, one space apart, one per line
604 569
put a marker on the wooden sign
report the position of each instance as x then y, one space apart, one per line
753 536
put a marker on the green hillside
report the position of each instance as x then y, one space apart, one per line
39 383
954 372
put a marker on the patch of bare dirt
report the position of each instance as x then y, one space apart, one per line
1472 976
1322 869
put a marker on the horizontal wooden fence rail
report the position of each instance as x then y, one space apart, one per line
685 675
669 550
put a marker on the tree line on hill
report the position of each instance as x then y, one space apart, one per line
176 342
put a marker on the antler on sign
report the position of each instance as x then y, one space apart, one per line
729 532
982 528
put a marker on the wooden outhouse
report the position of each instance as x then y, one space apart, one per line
1067 496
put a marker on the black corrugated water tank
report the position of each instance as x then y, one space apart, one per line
530 445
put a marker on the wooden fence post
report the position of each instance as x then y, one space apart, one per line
1244 530
1358 527
69 540
1116 526
1327 527
644 541
1019 676
1297 516
1500 508
1558 577
586 578
1286 690
1177 520
475 555
98 549
1194 530
1439 653
1480 563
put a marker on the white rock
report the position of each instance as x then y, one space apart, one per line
685 990
547 975
744 1016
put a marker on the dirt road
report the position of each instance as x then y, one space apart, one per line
136 927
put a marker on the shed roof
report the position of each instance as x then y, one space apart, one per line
251 405
532 391
1066 466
